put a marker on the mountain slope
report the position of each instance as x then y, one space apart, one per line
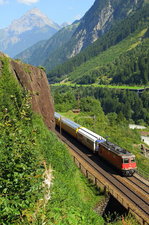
95 23
99 18
26 31
136 21
37 54
124 63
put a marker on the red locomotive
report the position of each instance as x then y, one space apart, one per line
123 160
120 158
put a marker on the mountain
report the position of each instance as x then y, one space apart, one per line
65 24
42 50
97 21
124 63
26 31
119 56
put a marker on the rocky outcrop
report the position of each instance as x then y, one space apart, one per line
35 81
91 29
99 19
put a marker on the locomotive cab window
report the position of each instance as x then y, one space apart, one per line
125 160
133 160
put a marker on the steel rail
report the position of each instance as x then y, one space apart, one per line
140 184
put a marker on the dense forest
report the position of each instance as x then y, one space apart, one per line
129 105
117 33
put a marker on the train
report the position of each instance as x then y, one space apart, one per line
118 157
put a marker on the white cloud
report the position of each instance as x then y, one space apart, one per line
2 2
27 2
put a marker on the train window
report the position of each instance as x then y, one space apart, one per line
133 160
125 160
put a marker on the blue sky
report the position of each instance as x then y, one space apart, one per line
57 10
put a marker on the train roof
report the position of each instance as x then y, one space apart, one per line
87 135
116 149
70 123
57 115
92 133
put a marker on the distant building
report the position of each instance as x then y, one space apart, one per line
76 110
145 139
134 126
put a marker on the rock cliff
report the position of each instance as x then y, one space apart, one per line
99 19
35 81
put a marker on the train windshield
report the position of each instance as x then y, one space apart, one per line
125 160
133 160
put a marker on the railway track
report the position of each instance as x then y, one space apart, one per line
143 186
132 190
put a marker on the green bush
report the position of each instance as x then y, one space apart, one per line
20 162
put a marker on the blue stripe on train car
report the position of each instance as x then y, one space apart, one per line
100 141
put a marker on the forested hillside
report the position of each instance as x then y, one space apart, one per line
124 63
132 106
89 63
